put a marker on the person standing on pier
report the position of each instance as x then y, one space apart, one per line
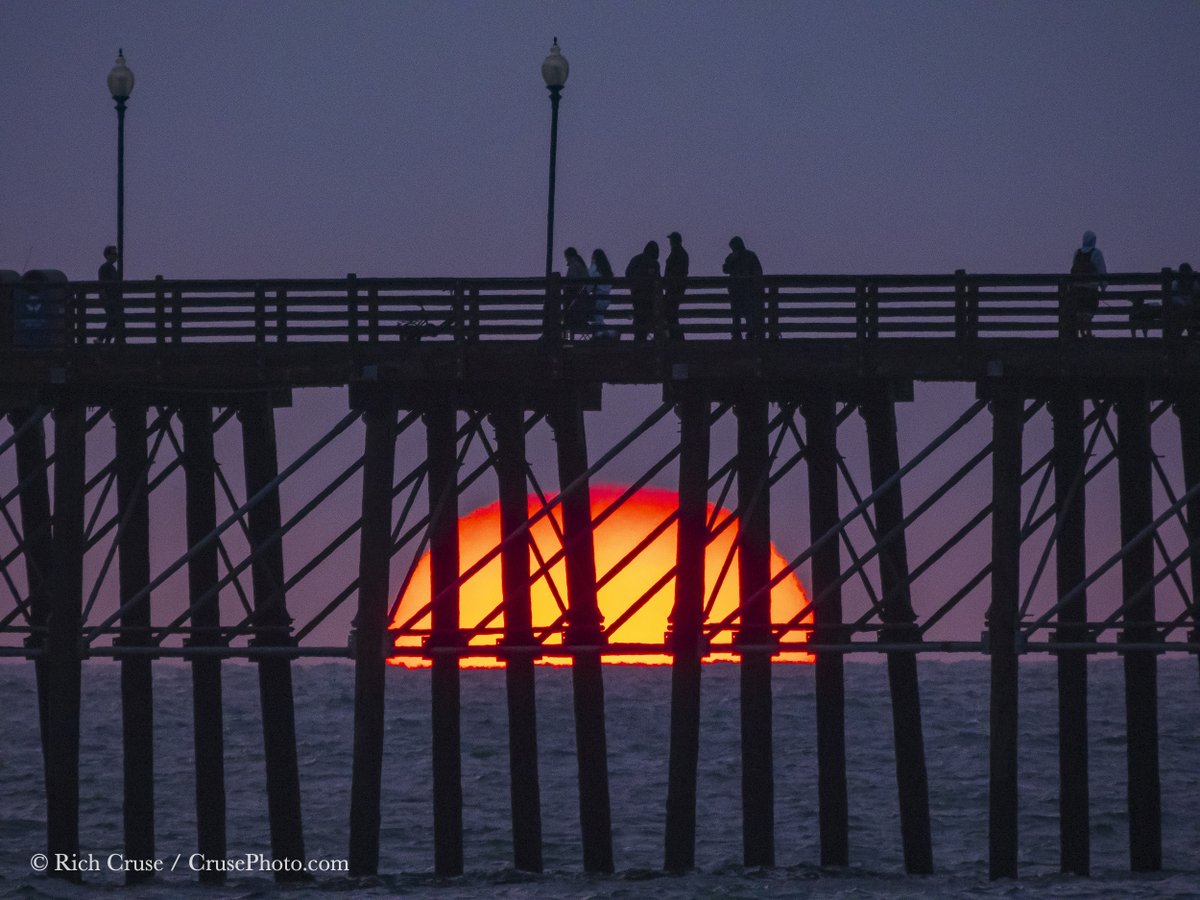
600 268
675 283
577 300
113 325
1088 260
644 271
745 290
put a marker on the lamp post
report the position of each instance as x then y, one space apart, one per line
120 85
554 72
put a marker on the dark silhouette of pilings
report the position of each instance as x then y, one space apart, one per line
820 415
272 627
1141 673
137 697
585 633
442 447
1070 465
200 474
62 636
1188 413
685 639
1007 412
370 625
509 426
755 638
34 501
879 413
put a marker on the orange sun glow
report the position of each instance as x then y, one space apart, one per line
620 532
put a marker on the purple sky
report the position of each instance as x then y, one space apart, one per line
314 139
403 139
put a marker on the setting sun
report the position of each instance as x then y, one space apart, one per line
620 532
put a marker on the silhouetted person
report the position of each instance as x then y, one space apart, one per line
600 268
114 325
674 283
745 290
577 301
1088 260
1183 297
644 271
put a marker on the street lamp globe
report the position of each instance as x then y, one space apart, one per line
120 79
554 69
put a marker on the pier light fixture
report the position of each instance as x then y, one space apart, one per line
554 73
120 85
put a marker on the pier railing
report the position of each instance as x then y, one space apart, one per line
960 306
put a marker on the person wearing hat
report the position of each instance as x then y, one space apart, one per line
675 283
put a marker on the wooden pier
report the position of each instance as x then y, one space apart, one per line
487 362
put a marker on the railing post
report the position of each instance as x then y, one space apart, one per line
459 322
963 330
260 315
773 312
1068 320
281 323
1173 316
473 317
160 311
352 307
552 310
176 316
373 315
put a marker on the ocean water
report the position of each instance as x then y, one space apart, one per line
955 704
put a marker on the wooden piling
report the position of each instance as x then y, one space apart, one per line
1188 413
585 634
879 413
508 422
1070 465
1141 667
444 571
37 534
685 639
272 629
820 415
375 553
137 697
1007 414
62 637
201 500
755 637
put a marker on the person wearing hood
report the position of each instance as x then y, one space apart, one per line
577 300
1087 261
745 290
644 271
